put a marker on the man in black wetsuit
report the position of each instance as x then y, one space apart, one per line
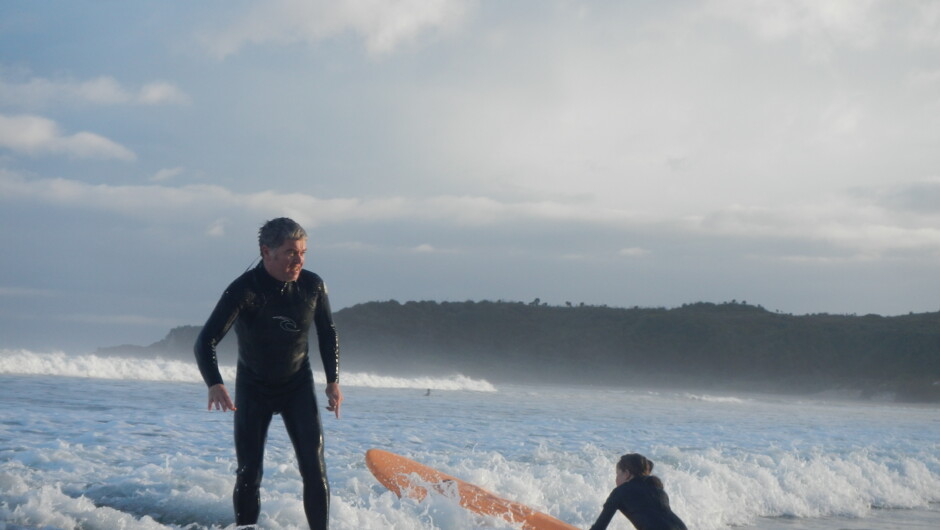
272 307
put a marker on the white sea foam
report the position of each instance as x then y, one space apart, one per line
136 454
714 399
94 366
106 367
454 382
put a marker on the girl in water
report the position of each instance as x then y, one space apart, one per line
640 496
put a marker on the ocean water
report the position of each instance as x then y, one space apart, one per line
104 443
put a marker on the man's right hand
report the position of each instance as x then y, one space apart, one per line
219 397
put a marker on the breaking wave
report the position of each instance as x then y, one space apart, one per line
104 367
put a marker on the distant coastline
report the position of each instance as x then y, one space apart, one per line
732 346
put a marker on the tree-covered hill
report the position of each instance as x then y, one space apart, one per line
729 345
705 344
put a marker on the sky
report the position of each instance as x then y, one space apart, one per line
648 153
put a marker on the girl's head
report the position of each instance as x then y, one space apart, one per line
632 465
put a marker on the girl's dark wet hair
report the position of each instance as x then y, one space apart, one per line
638 466
276 231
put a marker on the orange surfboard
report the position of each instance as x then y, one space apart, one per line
398 473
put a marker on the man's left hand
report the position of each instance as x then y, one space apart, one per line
335 397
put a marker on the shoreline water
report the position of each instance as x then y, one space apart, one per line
87 452
877 519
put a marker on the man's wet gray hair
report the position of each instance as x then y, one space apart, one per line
276 231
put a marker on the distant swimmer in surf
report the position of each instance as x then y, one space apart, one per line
428 392
639 496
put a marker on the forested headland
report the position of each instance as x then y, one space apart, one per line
732 345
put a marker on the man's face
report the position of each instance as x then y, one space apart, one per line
285 262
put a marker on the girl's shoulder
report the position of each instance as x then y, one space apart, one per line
649 481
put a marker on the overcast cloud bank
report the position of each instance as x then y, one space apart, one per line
779 152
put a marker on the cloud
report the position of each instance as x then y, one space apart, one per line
35 135
850 22
157 201
861 224
919 198
166 174
926 31
822 27
652 111
38 92
866 223
383 25
217 228
427 248
160 93
634 252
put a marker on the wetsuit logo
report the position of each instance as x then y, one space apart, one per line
287 324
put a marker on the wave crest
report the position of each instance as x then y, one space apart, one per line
98 367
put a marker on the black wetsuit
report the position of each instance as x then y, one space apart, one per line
272 320
644 502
